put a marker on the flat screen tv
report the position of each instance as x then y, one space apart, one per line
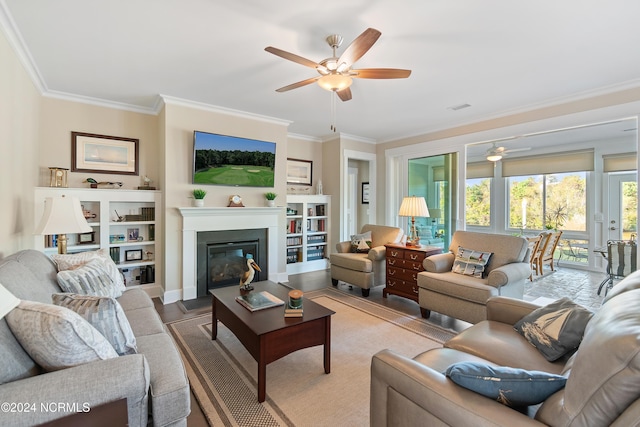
233 161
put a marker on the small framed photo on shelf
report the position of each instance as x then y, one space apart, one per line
87 238
133 255
299 171
133 234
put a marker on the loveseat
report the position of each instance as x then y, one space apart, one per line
602 376
364 268
464 296
153 380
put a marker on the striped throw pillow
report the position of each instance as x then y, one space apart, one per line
89 279
106 315
73 261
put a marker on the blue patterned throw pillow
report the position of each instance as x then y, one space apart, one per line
509 386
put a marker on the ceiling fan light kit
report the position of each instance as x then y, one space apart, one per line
495 153
334 82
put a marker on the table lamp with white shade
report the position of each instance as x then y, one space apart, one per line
413 206
62 215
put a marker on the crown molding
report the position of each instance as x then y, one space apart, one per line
304 137
99 102
14 37
170 100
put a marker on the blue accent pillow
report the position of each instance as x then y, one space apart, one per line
509 386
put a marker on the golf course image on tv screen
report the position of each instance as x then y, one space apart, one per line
233 161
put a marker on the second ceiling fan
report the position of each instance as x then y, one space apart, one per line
336 73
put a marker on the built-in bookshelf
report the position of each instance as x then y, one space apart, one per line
123 221
307 232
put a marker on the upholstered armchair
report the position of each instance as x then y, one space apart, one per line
464 296
364 269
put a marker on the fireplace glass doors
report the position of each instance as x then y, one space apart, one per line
222 257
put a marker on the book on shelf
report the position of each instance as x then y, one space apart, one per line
254 301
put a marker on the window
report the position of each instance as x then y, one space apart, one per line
551 201
434 178
478 202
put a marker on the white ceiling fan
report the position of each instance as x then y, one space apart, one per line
496 153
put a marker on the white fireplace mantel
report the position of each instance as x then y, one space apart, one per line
195 220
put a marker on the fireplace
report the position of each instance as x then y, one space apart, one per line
222 257
197 220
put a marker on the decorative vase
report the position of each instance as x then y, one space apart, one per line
198 203
271 203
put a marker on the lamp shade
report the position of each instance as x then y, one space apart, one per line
62 215
414 206
7 301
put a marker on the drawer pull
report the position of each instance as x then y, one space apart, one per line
394 253
391 283
392 261
413 257
417 267
391 272
414 278
415 291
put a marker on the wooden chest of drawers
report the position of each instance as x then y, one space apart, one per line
402 268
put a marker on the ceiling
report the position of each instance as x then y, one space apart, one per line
499 56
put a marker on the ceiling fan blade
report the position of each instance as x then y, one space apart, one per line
344 94
380 73
292 57
298 84
513 150
359 47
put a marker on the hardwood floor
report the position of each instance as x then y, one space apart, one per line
579 285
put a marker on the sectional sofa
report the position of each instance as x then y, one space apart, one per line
602 376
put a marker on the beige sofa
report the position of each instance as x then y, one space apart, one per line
364 270
465 297
602 376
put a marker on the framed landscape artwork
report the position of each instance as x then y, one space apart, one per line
299 171
104 154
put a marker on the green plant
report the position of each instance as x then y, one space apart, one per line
199 193
270 196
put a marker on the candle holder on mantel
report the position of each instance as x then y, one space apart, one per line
58 177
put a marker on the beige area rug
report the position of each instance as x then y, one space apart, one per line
223 374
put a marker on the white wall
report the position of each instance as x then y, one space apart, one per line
19 117
179 120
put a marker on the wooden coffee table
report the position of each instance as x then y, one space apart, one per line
267 334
